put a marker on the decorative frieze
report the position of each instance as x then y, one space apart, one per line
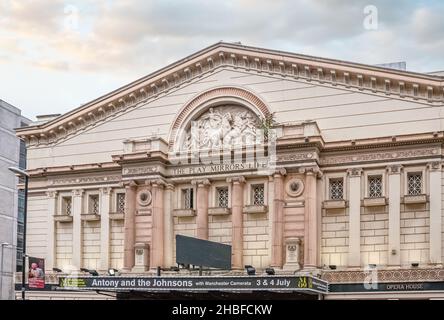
296 156
379 156
404 275
84 180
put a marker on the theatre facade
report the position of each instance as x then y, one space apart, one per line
303 164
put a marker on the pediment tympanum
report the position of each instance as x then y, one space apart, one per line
222 126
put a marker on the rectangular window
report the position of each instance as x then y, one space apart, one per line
414 183
67 205
222 197
336 189
258 195
375 186
93 206
120 203
187 198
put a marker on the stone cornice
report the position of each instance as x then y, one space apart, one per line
388 141
351 76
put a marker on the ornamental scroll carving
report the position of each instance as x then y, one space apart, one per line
223 126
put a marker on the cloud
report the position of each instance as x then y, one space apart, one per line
138 36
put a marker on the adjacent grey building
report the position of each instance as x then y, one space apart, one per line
12 153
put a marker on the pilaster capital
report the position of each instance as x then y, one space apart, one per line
106 190
169 186
130 184
434 166
200 183
354 172
78 192
311 171
394 169
279 172
236 180
156 183
51 194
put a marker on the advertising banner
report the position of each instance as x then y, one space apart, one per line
306 284
36 273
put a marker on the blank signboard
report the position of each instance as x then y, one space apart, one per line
200 252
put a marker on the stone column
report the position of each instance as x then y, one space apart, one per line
77 237
311 220
277 246
168 236
51 257
354 216
157 231
129 226
435 212
237 206
104 227
202 208
394 238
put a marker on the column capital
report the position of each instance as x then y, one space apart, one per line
51 194
169 186
106 190
236 180
78 192
354 172
434 166
311 170
130 184
279 172
394 169
159 183
200 183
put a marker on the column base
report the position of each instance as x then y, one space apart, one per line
138 269
291 266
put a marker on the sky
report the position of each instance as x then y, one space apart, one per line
56 55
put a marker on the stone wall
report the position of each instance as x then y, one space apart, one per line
374 235
220 229
415 231
91 245
185 226
334 237
63 243
116 244
256 240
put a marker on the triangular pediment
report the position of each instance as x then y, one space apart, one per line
326 72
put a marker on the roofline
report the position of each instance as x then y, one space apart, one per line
337 61
222 44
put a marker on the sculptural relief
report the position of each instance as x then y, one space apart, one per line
223 126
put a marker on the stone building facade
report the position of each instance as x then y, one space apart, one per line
297 162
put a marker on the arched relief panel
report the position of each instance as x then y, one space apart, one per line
232 96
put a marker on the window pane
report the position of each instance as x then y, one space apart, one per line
375 186
187 198
120 203
336 189
66 205
222 197
258 194
94 204
414 184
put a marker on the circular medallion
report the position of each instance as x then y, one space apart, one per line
294 187
144 197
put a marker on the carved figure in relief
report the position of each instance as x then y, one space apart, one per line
222 126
